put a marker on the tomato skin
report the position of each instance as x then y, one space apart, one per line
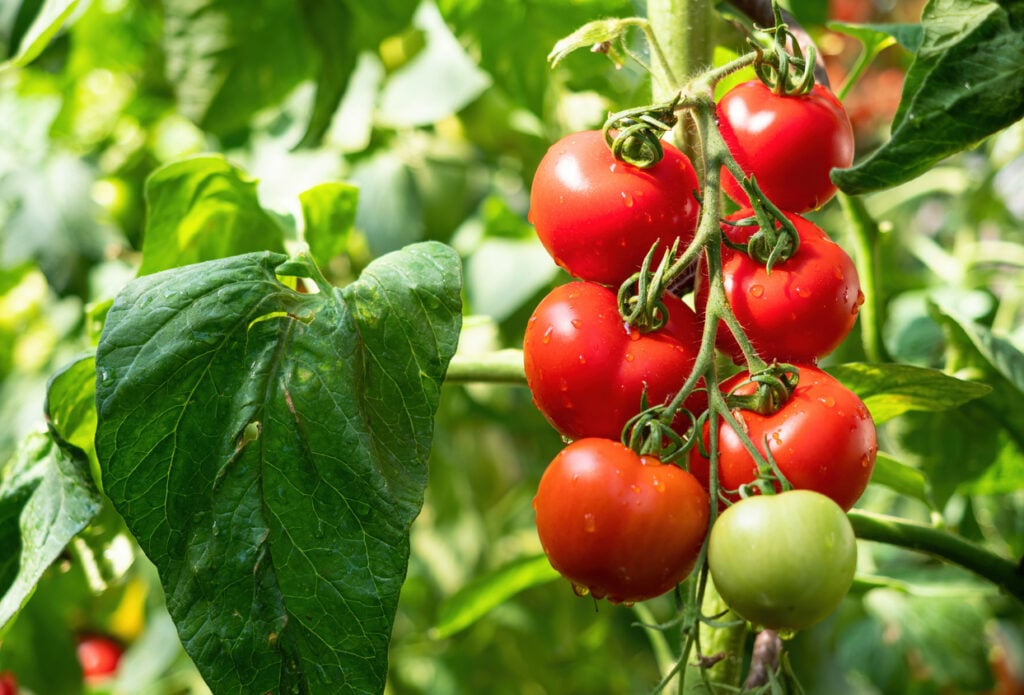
99 656
787 143
623 526
587 373
800 311
783 562
8 684
822 439
598 217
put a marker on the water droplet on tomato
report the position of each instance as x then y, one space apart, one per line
589 523
627 199
534 503
658 485
583 360
803 292
635 488
757 290
576 323
860 298
546 336
629 357
633 334
580 590
828 401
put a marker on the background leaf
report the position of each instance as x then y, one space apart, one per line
965 84
889 390
200 209
46 499
268 449
328 214
52 16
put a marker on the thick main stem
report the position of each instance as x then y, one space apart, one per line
682 29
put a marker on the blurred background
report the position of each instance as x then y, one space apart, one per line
439 112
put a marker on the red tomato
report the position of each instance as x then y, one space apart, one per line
598 217
822 439
799 312
588 372
99 656
788 143
618 525
8 684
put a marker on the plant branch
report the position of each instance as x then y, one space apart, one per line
1003 572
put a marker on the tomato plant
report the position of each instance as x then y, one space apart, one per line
784 561
788 143
799 310
589 373
619 525
99 656
598 216
822 439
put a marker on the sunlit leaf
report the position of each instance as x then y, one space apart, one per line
328 213
52 16
268 450
965 84
889 390
200 209
901 478
46 499
488 591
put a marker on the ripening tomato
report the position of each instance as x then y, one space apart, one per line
99 656
619 525
801 310
783 562
598 217
588 371
789 144
822 439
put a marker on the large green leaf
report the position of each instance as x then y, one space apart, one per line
268 449
966 82
46 498
889 390
200 209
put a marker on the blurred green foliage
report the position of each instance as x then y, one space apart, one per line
438 113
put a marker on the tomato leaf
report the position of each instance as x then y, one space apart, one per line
328 213
965 84
51 18
889 390
340 31
268 450
488 591
202 208
46 498
901 478
979 446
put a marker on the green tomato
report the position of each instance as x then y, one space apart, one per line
783 561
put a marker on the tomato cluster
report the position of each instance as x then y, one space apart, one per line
627 525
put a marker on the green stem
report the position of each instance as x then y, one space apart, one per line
1003 572
865 233
501 367
681 30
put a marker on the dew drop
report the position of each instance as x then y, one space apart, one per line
860 298
546 337
757 290
803 292
659 485
629 357
627 199
828 401
583 360
580 590
576 323
635 488
589 523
